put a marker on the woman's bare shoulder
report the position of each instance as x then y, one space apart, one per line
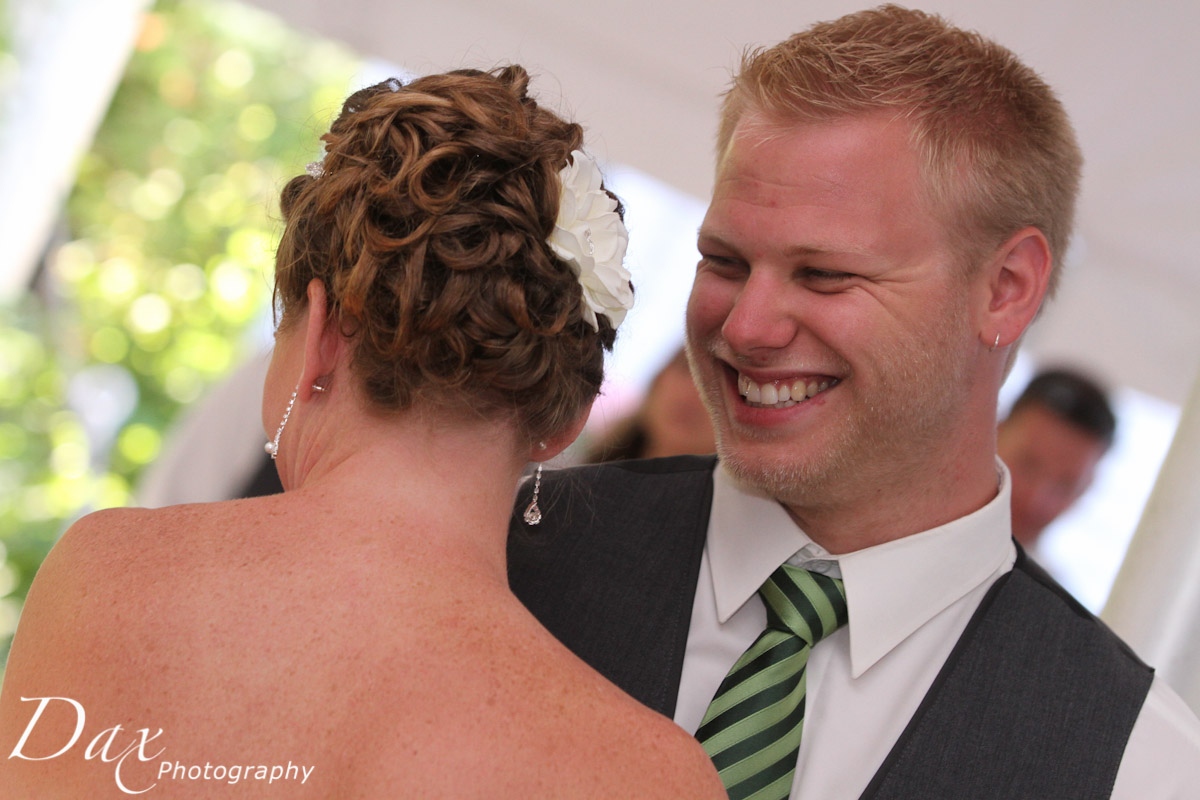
106 576
70 620
145 543
608 744
93 554
567 732
550 747
112 535
101 559
640 753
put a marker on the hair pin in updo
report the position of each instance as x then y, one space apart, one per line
315 168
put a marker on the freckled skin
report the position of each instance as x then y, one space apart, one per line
265 645
360 623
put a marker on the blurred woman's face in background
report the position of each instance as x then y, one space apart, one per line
675 420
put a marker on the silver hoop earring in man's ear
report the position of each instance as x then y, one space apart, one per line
995 344
533 514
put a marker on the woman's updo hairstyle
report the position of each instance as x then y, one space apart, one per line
428 227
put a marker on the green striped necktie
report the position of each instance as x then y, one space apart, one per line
752 727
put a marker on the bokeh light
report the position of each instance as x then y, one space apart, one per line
165 263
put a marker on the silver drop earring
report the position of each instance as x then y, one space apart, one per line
272 447
995 344
533 514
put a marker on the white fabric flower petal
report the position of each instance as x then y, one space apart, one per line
590 236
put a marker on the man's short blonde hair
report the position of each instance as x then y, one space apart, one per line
997 150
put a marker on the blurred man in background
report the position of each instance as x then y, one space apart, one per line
1057 432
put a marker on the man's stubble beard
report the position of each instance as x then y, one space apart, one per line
886 440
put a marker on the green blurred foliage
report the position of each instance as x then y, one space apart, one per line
172 227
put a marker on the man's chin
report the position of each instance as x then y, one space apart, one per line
787 480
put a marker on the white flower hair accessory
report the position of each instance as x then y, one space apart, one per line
590 236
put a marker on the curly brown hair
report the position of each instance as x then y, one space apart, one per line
428 228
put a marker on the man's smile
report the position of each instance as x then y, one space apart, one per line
782 393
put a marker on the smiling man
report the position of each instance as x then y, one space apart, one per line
831 331
837 606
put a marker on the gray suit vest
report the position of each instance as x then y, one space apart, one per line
1036 701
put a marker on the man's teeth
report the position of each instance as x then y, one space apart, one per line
781 394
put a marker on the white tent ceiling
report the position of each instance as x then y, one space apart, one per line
644 78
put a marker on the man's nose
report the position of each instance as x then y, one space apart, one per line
763 317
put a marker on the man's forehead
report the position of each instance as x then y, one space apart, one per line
756 128
857 154
839 183
761 185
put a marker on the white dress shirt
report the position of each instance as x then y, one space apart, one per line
909 601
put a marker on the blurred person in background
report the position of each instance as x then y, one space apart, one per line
671 421
1052 440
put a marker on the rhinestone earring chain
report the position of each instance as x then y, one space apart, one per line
272 447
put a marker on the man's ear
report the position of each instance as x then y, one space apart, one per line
323 341
1015 282
560 442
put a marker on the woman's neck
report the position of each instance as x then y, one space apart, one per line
441 485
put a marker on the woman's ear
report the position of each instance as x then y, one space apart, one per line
1015 284
549 448
323 341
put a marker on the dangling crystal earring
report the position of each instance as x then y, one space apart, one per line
272 448
533 514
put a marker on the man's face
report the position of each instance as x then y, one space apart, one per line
1052 462
824 279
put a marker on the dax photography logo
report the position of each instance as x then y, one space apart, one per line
114 745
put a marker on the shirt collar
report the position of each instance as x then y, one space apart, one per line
892 589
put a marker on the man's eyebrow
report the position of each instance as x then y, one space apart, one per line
713 237
805 250
794 251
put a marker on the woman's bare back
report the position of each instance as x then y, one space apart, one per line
328 656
